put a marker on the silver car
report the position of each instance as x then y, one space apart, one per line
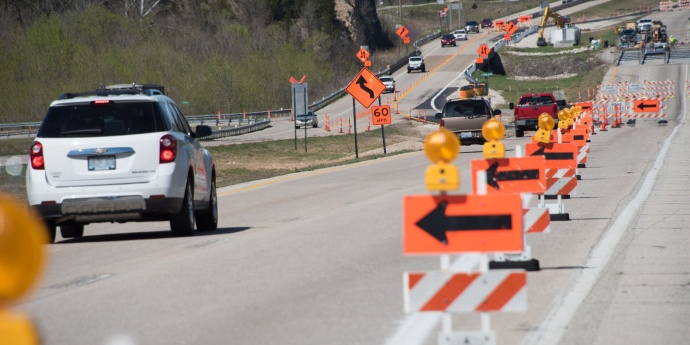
309 119
389 82
460 34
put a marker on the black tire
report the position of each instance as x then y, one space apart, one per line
208 220
51 231
72 230
182 223
519 132
316 125
408 70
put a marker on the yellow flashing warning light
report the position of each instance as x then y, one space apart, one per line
545 124
17 330
442 147
493 130
563 119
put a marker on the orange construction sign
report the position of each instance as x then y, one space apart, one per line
499 24
511 28
402 31
558 156
365 87
462 224
511 175
484 50
363 55
381 115
586 106
524 19
646 105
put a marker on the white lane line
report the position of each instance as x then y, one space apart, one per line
551 330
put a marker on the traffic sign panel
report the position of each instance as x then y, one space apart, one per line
363 55
646 105
558 156
381 115
462 224
609 89
511 28
484 50
634 88
402 31
365 87
614 106
511 175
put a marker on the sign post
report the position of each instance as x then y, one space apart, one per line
299 104
381 115
364 88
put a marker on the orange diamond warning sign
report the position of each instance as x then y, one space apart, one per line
365 88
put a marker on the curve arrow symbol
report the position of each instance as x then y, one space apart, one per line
362 84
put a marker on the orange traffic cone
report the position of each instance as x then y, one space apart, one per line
341 125
349 126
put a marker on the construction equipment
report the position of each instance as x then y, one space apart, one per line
656 41
560 22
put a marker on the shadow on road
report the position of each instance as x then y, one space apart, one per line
151 235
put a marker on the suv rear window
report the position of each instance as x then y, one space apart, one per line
536 100
466 108
95 120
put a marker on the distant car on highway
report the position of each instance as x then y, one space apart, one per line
120 154
416 63
448 40
460 34
389 82
309 119
472 26
487 23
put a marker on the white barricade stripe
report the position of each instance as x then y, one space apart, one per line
497 290
536 219
561 186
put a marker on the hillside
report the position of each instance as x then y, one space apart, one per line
213 55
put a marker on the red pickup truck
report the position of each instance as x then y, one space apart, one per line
528 109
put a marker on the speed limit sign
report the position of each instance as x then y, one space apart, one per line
381 115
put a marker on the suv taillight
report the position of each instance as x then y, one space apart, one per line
442 123
168 149
36 156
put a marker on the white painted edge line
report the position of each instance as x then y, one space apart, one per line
554 325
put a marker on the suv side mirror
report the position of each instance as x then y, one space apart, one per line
203 131
511 105
439 115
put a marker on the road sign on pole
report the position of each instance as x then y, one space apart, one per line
381 115
365 87
484 50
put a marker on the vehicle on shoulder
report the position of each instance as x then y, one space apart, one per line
416 63
448 40
460 34
307 120
465 117
472 26
487 23
120 154
389 82
529 108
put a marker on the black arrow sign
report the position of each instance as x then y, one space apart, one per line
642 106
437 224
362 82
553 155
493 177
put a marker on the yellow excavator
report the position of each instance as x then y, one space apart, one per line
560 22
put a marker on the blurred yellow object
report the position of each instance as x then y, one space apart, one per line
22 257
17 330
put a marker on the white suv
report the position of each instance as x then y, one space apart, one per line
120 155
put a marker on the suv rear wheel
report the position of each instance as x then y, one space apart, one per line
208 220
182 224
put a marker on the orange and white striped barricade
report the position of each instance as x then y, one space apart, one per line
580 137
516 175
561 163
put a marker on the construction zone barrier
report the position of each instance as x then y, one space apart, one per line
666 6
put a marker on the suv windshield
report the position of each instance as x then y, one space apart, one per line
464 108
93 120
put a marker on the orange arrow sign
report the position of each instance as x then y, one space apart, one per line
365 87
511 175
558 156
462 224
484 50
646 106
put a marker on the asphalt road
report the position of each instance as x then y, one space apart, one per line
316 257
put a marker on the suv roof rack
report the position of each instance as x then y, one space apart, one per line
119 89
